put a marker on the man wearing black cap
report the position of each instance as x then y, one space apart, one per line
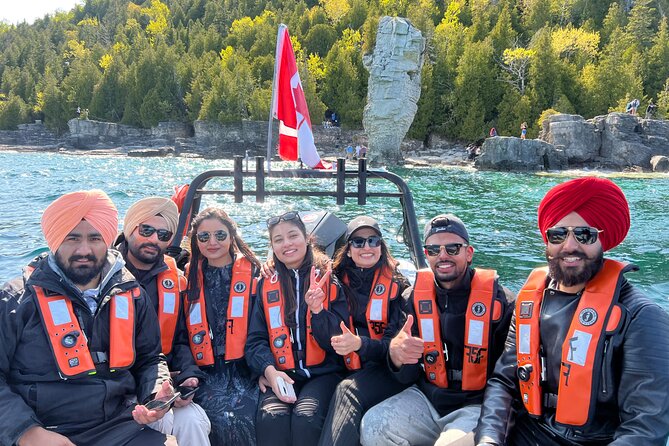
461 317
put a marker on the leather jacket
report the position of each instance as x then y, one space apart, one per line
632 405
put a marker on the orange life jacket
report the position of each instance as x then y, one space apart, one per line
68 341
239 306
280 335
482 310
596 315
170 284
383 289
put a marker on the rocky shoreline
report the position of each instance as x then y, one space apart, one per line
616 142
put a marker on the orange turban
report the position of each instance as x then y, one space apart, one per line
64 214
149 207
599 201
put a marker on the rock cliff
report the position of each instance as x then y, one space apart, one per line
393 88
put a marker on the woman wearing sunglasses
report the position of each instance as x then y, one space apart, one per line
297 311
221 278
372 284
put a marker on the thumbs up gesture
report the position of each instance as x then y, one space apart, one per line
315 295
405 348
346 342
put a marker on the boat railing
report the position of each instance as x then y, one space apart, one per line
342 176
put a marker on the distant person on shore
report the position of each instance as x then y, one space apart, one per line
587 357
357 151
78 337
456 325
148 228
363 151
523 130
78 112
650 110
632 107
493 132
349 152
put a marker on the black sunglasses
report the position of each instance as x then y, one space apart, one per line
359 242
452 249
585 235
147 231
203 237
292 215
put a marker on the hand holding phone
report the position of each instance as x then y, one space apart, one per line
162 403
285 388
186 391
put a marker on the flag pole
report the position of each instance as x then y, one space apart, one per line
279 42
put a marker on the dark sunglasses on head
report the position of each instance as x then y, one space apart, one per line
452 249
203 237
292 215
359 242
585 235
147 231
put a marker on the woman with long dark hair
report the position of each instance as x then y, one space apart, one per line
221 281
297 312
373 287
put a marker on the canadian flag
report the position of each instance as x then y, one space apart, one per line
289 106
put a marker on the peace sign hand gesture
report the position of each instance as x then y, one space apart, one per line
315 295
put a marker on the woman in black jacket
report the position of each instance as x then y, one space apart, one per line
373 287
221 278
297 311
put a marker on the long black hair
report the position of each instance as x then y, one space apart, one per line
237 244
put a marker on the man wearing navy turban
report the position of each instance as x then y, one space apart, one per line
587 356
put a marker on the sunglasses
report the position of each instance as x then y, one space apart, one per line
292 215
359 242
203 237
585 235
147 231
452 249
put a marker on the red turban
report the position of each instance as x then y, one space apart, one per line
597 200
64 214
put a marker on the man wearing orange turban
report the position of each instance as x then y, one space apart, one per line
587 357
148 228
78 337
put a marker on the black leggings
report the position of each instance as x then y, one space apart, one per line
280 423
354 396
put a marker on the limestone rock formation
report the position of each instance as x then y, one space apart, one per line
580 138
510 153
393 88
660 163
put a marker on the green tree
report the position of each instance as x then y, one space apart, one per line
320 39
13 112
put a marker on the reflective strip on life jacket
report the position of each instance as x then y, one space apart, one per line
169 300
581 349
280 337
239 308
68 341
199 334
383 289
482 310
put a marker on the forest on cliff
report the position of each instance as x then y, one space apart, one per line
488 63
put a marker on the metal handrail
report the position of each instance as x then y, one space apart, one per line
196 191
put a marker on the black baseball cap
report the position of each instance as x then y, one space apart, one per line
446 223
362 222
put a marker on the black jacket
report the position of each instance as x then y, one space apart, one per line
452 306
360 281
31 390
324 325
632 403
180 358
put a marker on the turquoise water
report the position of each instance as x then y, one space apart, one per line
498 208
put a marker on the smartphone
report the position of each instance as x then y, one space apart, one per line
163 402
186 391
285 388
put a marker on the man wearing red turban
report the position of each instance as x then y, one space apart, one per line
78 337
587 357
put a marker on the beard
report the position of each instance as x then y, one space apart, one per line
83 274
136 251
448 277
574 276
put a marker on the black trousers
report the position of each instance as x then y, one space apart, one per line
527 432
120 431
353 397
297 424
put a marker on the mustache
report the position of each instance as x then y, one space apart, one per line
149 245
89 257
